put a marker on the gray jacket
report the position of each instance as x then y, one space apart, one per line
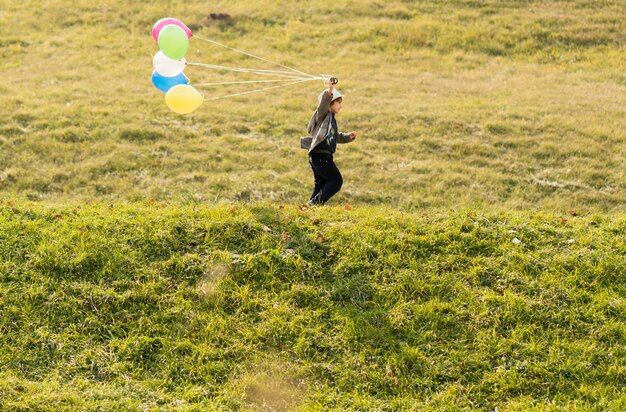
319 125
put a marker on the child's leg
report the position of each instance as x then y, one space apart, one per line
326 168
319 180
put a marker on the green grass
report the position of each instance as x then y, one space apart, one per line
474 258
266 308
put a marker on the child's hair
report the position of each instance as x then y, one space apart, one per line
338 99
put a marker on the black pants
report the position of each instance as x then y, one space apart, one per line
328 179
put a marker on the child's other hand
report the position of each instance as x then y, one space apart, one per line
352 136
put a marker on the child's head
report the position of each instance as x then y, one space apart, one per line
335 105
337 100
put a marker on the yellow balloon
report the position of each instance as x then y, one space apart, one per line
183 99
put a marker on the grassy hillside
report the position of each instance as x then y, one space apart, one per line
474 259
265 308
512 103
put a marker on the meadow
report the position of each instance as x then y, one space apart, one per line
517 104
474 259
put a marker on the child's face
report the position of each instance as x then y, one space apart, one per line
335 106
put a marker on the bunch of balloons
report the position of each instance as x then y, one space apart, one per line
173 36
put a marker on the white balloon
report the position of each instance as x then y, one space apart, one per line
168 67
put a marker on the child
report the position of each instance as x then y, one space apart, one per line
322 143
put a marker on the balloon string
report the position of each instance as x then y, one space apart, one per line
262 70
252 71
252 55
248 81
246 69
259 90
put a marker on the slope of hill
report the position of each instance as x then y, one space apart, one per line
264 308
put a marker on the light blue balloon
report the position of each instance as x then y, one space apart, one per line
165 83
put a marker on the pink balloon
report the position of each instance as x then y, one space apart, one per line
156 29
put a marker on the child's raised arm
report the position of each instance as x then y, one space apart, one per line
331 86
324 102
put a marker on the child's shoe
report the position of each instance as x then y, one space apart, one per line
314 202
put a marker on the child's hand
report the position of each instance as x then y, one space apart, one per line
330 83
352 136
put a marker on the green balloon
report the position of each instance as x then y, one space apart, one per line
173 41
